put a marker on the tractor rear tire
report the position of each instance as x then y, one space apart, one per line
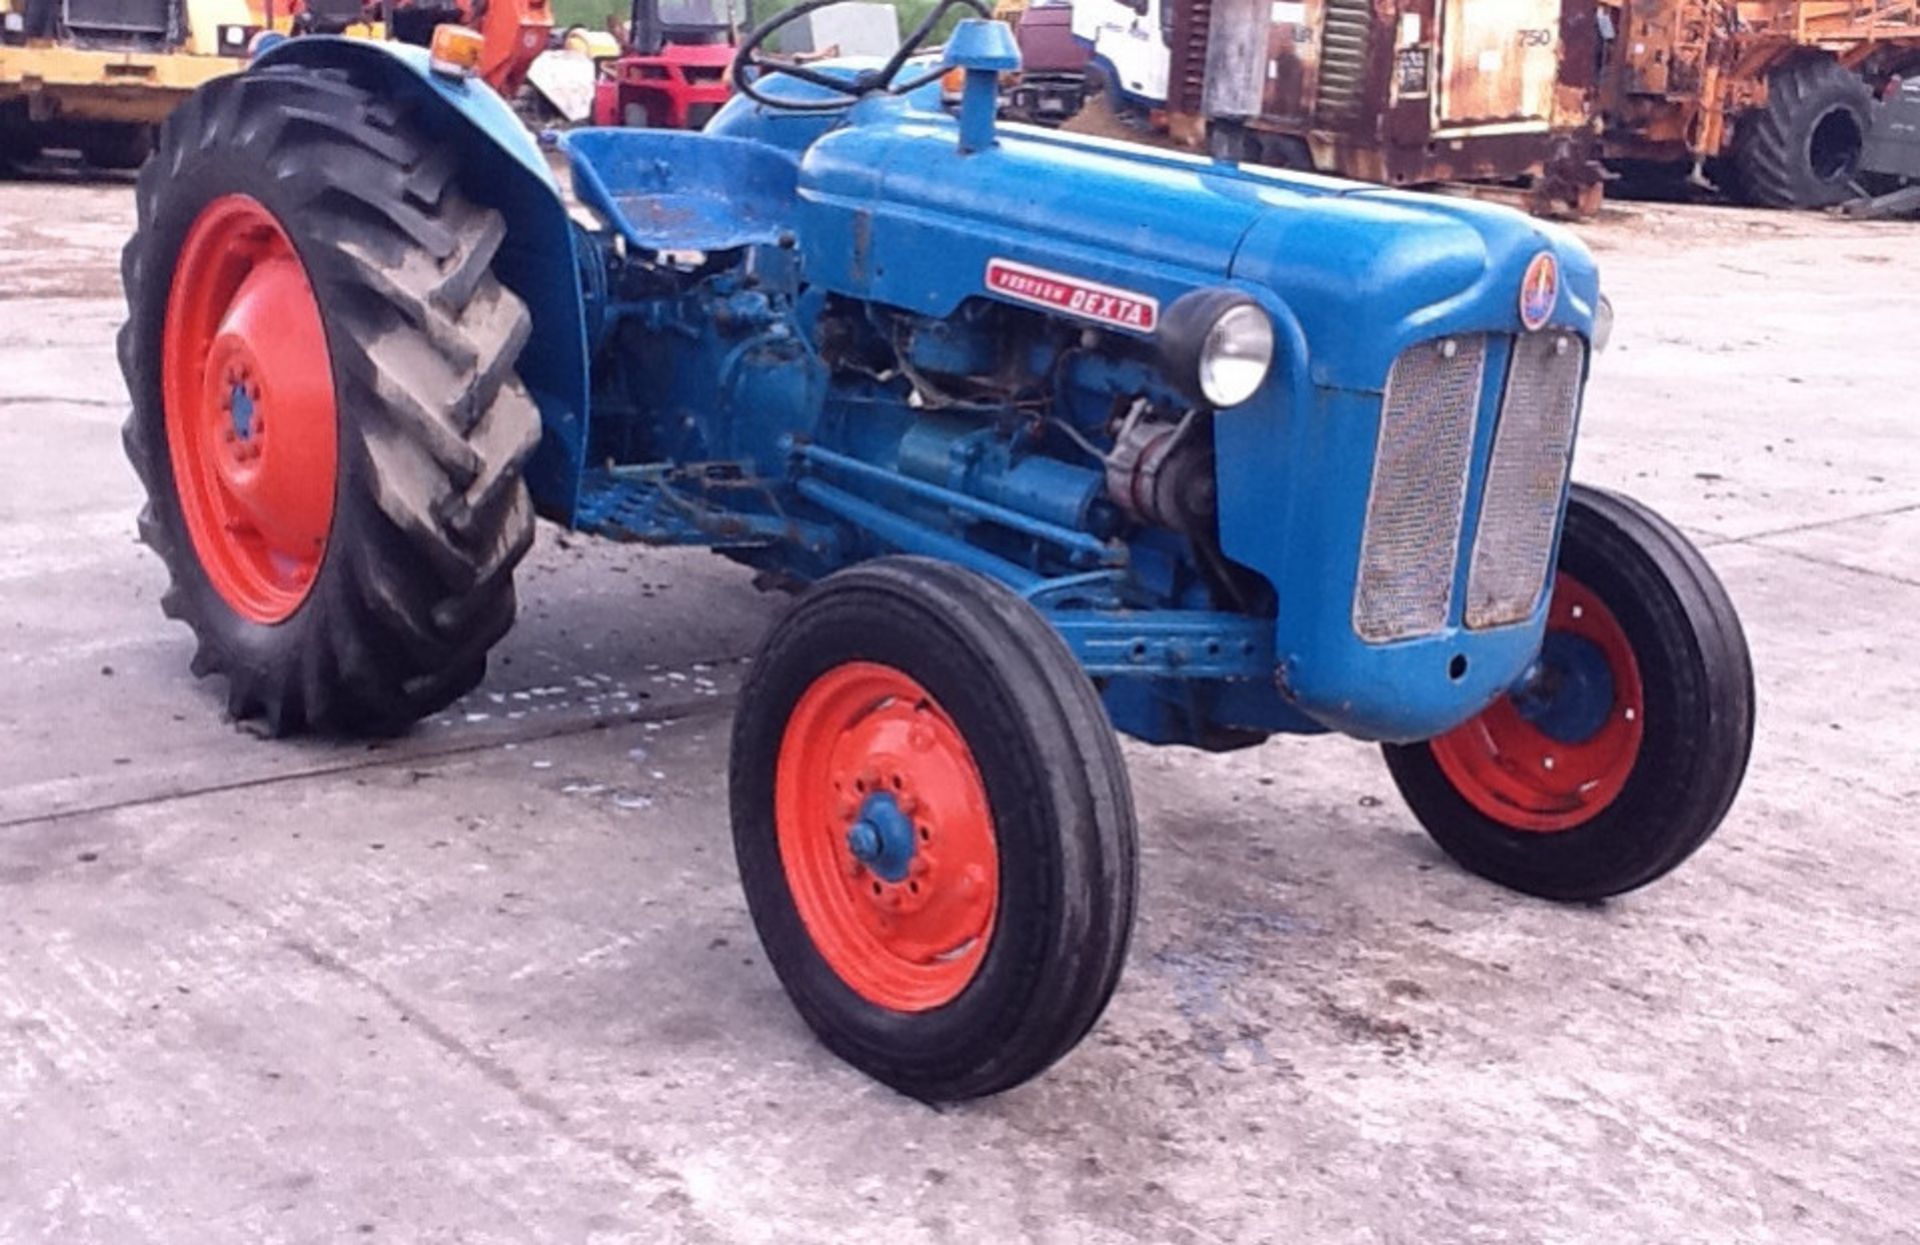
1803 149
387 610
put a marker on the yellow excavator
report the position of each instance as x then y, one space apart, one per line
99 76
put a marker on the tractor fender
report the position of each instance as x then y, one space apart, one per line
503 168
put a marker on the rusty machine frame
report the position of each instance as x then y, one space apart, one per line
1397 91
1772 99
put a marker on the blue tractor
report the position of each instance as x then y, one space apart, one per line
1059 436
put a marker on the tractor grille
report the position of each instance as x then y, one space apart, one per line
1412 540
1346 39
1532 450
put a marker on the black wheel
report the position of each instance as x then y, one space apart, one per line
325 413
117 147
934 828
1624 750
1803 149
1230 141
17 144
634 115
1288 151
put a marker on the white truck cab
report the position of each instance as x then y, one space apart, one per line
1130 46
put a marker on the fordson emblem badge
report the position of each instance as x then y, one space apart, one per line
1540 291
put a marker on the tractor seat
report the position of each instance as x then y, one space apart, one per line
674 190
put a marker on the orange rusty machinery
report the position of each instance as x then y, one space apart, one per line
1772 100
1396 91
513 32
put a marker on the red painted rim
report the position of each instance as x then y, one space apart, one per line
252 427
864 731
1511 771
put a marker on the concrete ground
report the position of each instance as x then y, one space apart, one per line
495 981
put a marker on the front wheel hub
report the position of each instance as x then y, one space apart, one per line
882 840
1559 748
886 837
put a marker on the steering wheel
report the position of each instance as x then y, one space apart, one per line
748 63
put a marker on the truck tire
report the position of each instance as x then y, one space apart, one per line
15 151
934 828
1232 142
117 147
1626 752
1802 150
325 411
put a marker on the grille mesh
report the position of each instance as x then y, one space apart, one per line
1532 450
1412 540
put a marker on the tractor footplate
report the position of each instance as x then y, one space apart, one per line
669 507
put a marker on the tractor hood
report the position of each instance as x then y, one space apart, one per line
890 209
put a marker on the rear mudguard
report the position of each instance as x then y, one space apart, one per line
503 168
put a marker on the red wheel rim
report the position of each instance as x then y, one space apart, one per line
904 924
252 428
1513 771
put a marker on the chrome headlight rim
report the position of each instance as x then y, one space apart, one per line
1220 346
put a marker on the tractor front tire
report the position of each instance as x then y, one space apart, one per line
1803 149
1625 751
325 411
933 827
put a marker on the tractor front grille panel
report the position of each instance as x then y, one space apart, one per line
1411 544
1532 453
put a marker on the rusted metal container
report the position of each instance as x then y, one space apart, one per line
1404 91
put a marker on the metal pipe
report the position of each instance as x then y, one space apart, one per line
979 109
1079 543
911 537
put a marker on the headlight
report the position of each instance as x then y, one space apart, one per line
1219 344
1236 356
1602 324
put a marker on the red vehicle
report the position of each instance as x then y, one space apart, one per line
673 75
1052 83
